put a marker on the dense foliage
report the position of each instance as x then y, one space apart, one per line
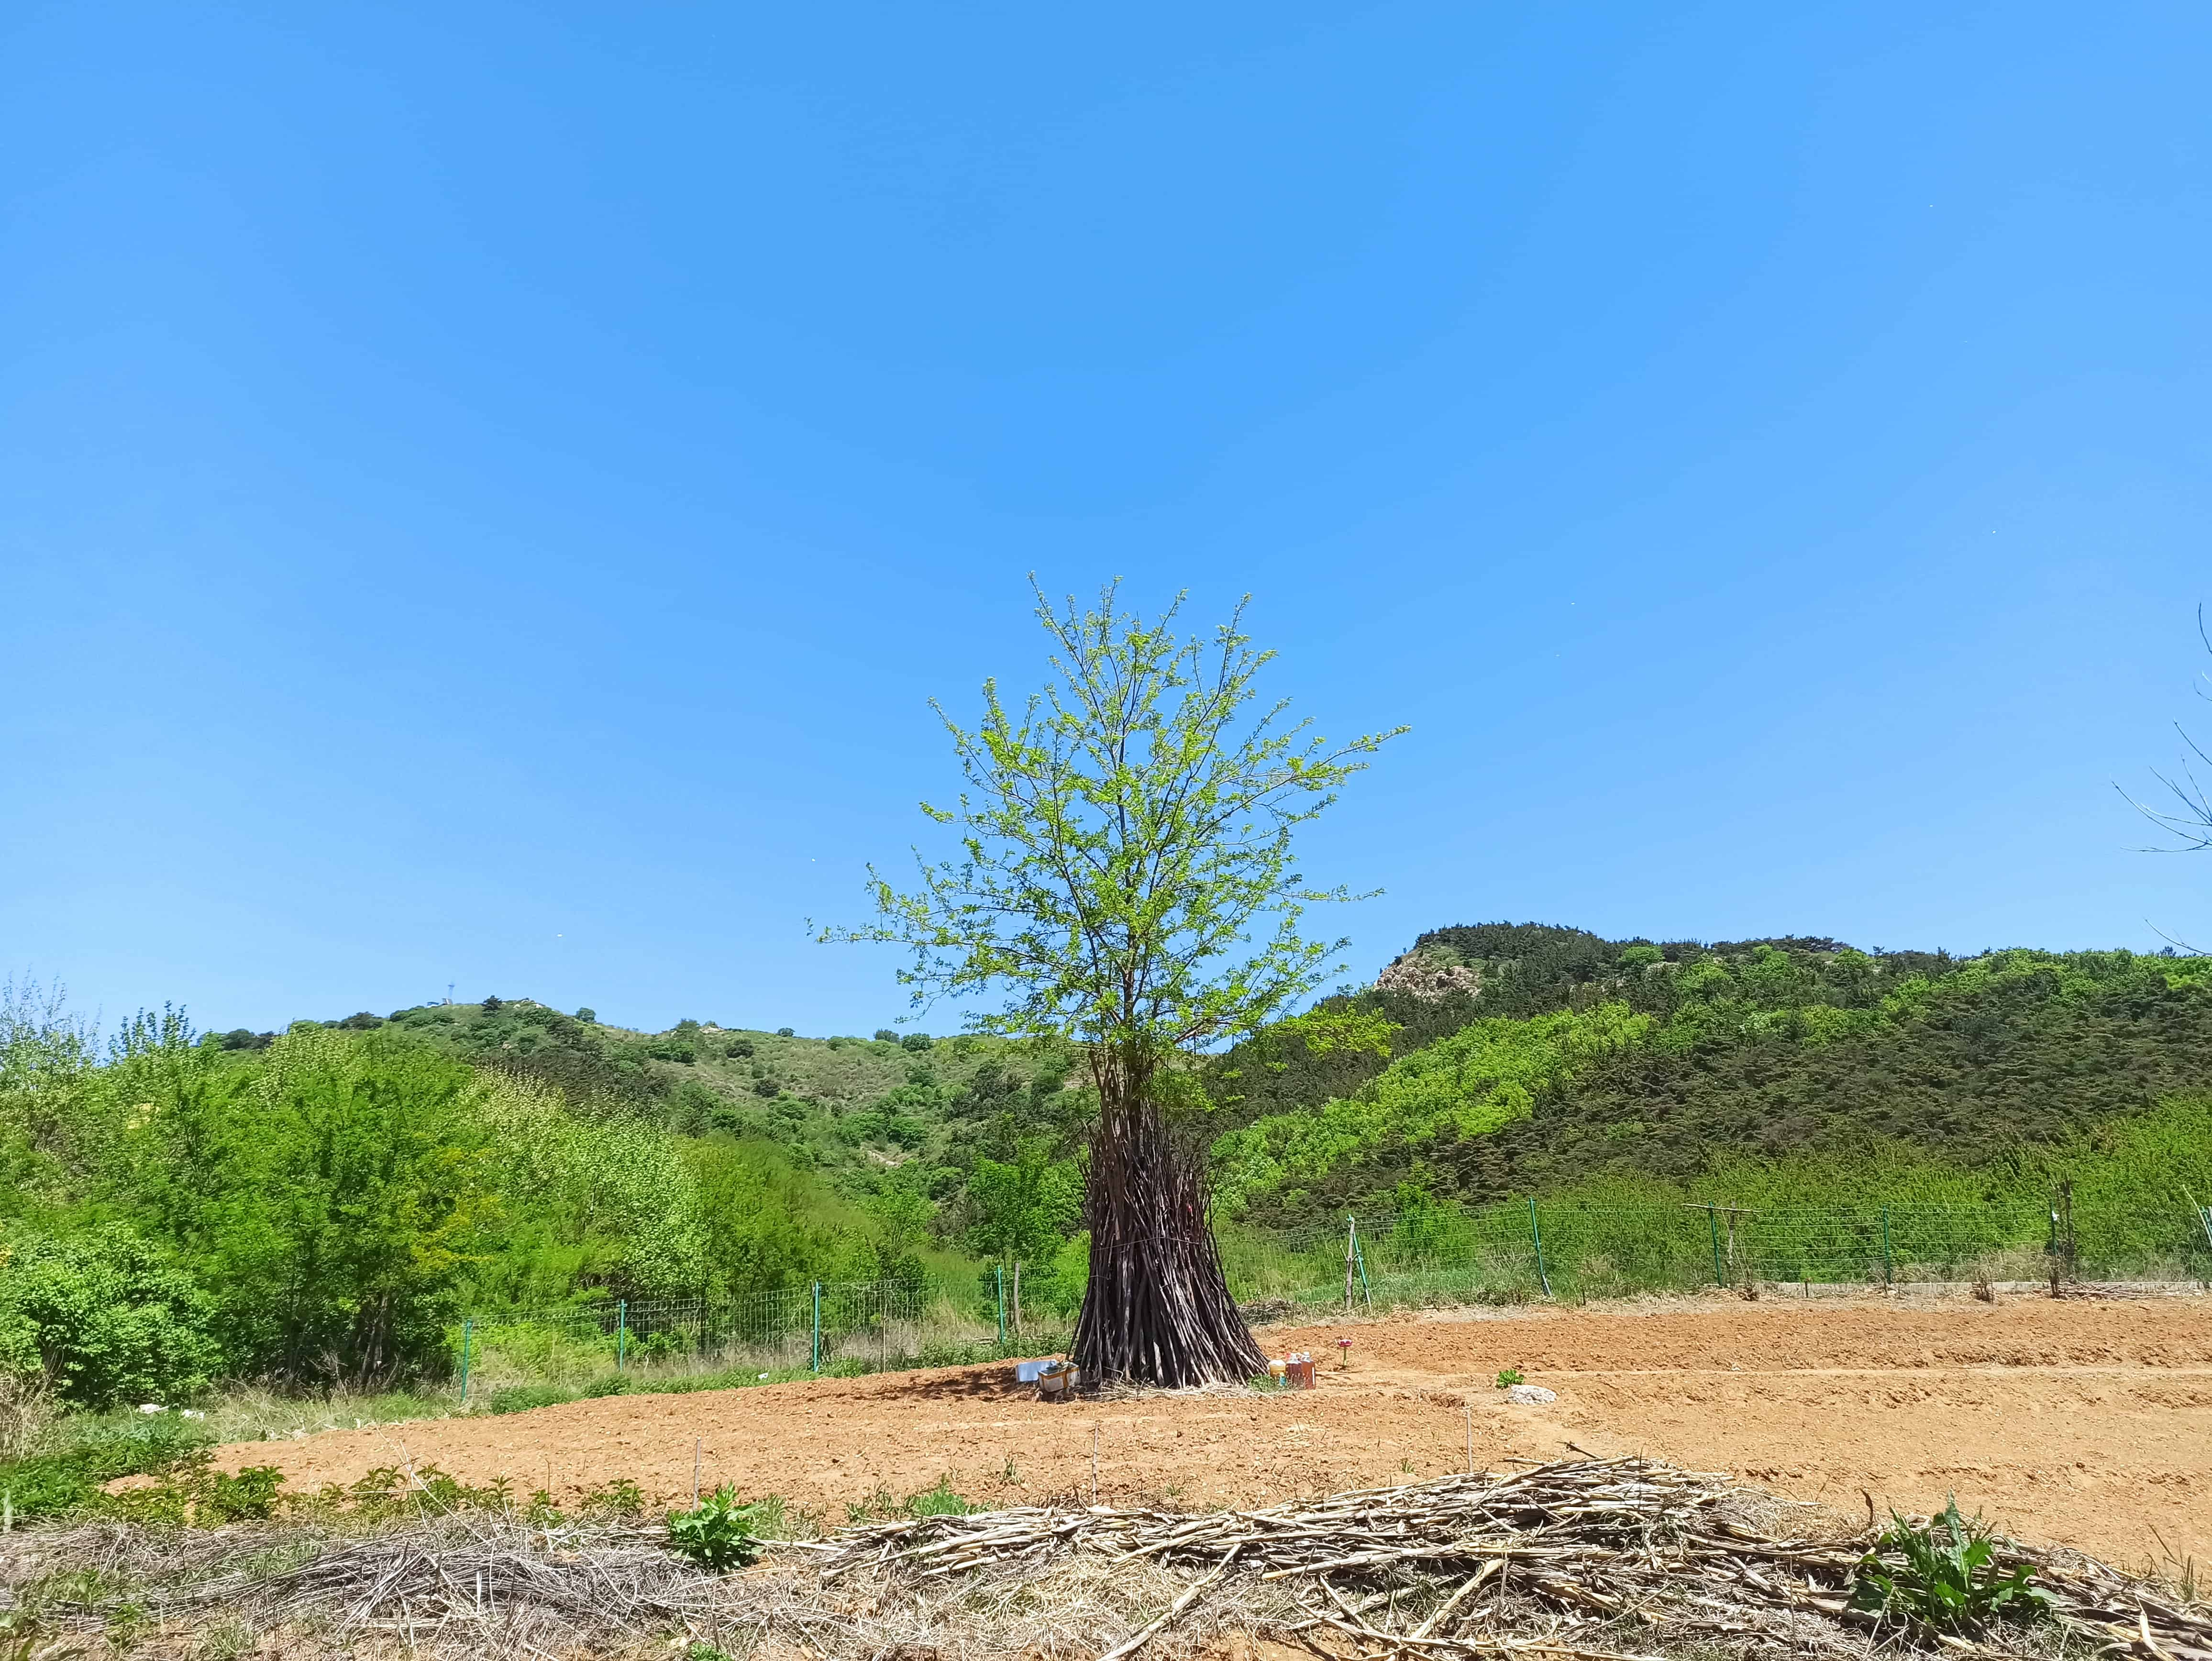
322 1207
1631 1059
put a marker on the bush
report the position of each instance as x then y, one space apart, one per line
917 1041
885 1035
106 1319
493 1005
786 1032
766 1087
738 1050
716 1534
587 1013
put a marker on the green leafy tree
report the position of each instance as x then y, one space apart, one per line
1125 880
335 1195
1023 1209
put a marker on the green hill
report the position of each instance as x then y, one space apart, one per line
1574 1060
325 1204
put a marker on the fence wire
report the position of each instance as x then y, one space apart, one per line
1438 1254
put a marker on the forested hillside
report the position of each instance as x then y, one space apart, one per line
323 1204
1575 1060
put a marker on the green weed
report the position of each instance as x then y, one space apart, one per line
717 1533
1942 1575
1508 1376
940 1501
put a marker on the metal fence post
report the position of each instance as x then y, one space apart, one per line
1001 1273
818 1327
622 1332
1351 1254
465 1327
1537 1235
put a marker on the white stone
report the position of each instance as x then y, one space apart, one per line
151 1407
1530 1396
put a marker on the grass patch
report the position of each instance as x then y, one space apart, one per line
521 1398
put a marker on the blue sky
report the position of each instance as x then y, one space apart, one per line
486 492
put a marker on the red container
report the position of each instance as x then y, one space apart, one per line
1299 1375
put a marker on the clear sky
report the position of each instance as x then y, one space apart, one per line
486 491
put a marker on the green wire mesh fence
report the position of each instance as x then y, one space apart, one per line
811 1327
1435 1255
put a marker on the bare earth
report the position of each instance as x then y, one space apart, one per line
2087 1423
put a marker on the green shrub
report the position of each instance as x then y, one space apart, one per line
521 1398
611 1383
885 1035
1943 1576
106 1317
1508 1376
716 1534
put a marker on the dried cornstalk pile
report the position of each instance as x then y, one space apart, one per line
1577 1560
475 1574
1594 1550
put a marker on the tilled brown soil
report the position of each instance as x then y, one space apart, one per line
2084 1422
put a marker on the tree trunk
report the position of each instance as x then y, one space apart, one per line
1157 1311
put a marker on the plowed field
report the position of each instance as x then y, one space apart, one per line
2088 1423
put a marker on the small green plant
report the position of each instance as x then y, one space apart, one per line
541 1512
1942 1575
1508 1376
2178 1571
940 1501
620 1498
881 1503
717 1533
